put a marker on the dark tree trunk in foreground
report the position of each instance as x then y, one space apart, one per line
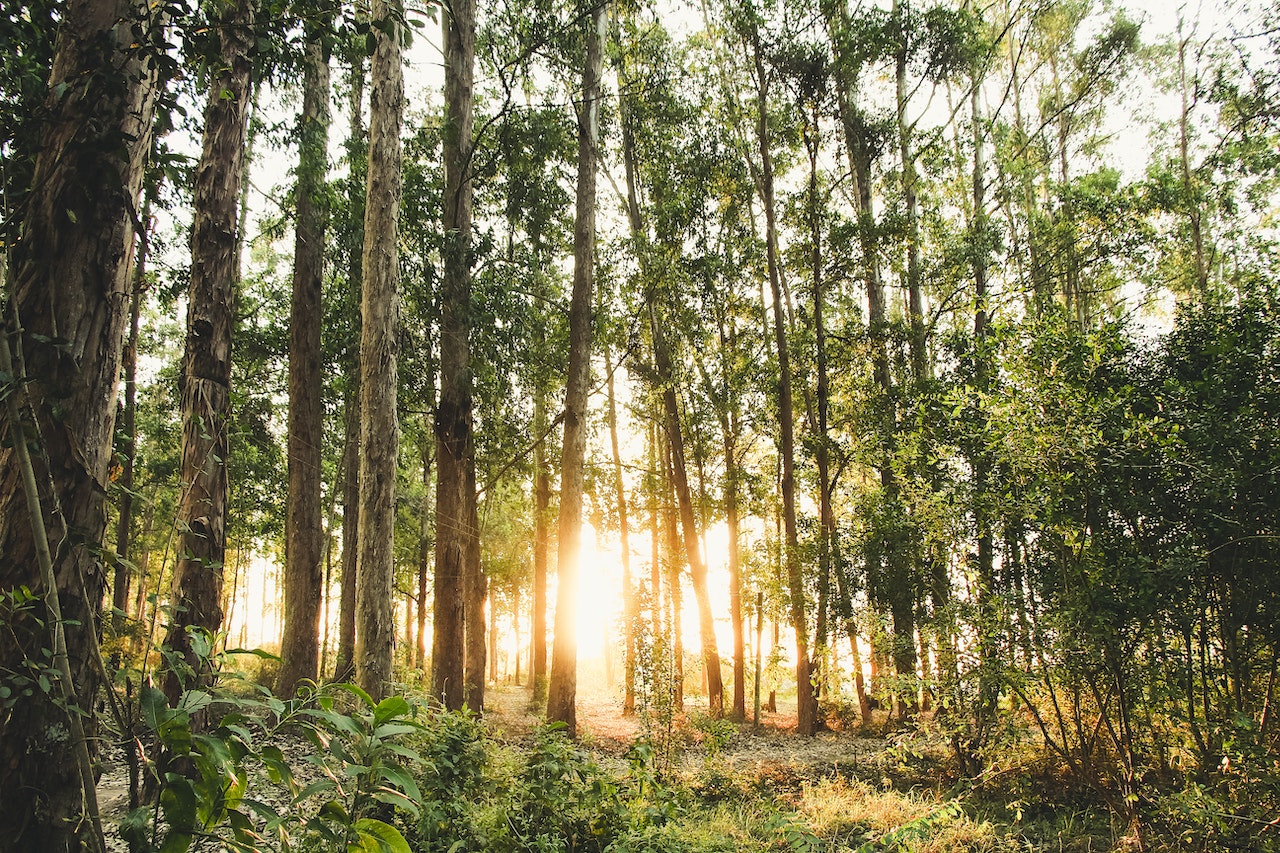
563 687
379 317
206 367
455 491
70 280
303 576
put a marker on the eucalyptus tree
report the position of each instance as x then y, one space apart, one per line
379 310
672 173
455 491
206 372
563 685
299 650
344 316
749 24
67 293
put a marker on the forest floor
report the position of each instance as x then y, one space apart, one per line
844 786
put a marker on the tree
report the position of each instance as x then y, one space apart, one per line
563 686
353 245
806 698
67 309
455 451
299 650
379 313
206 365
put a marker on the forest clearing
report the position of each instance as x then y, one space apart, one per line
454 426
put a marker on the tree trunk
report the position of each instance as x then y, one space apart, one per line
206 369
563 688
455 498
910 196
630 608
304 549
425 543
806 701
379 310
70 281
476 591
688 524
541 516
344 666
129 427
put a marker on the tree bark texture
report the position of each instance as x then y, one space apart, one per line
379 317
455 492
206 366
304 549
70 284
563 687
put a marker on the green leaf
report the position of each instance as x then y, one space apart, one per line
389 708
355 690
401 778
374 836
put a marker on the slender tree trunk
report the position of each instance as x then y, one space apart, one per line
344 663
910 194
806 700
425 544
344 666
129 427
563 688
688 523
631 616
731 511
299 650
379 315
1190 190
476 592
206 373
68 280
675 592
541 517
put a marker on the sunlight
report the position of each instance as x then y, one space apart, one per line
599 595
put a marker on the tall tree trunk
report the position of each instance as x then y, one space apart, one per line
69 281
910 194
806 700
379 316
675 592
425 543
344 666
688 523
541 518
299 651
206 370
476 592
731 513
630 609
563 688
129 427
1190 190
455 499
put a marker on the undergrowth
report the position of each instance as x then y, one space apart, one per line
336 770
